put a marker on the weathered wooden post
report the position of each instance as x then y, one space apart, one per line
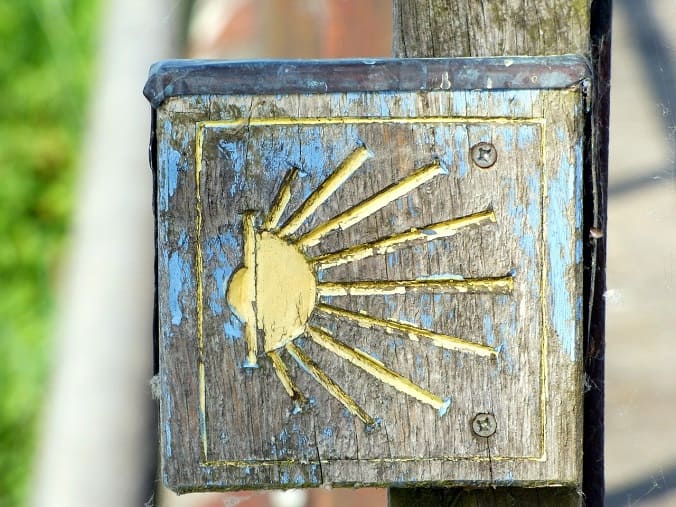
371 272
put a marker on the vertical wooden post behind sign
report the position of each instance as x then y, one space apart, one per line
479 28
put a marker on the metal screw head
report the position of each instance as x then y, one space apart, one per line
484 425
484 155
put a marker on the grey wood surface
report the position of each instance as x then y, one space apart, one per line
446 28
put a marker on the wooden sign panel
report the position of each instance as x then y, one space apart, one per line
369 272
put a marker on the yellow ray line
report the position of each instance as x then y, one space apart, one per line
346 168
281 201
334 389
413 332
377 369
493 285
369 206
283 374
390 243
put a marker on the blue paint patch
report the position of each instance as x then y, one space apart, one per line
444 408
411 207
377 423
315 473
233 328
508 137
506 330
444 146
459 103
534 211
385 110
525 136
221 275
488 330
167 427
170 164
461 145
561 195
420 367
474 100
408 104
394 343
378 357
392 306
508 479
173 159
179 276
234 154
426 317
579 163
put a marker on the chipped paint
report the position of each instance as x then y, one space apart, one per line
561 235
180 280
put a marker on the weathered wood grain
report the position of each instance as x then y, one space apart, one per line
225 426
445 28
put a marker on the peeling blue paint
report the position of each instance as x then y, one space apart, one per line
426 317
444 408
459 103
167 426
170 162
444 146
562 194
315 473
488 330
392 259
420 369
179 276
411 207
507 135
221 275
233 328
394 343
503 350
525 136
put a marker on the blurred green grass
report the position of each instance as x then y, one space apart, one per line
45 72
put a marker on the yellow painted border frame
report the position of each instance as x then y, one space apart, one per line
347 120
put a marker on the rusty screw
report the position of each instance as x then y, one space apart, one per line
484 155
484 425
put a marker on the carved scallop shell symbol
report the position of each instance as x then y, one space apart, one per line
280 302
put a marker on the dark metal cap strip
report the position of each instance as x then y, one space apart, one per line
173 78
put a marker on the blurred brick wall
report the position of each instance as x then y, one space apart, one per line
290 29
